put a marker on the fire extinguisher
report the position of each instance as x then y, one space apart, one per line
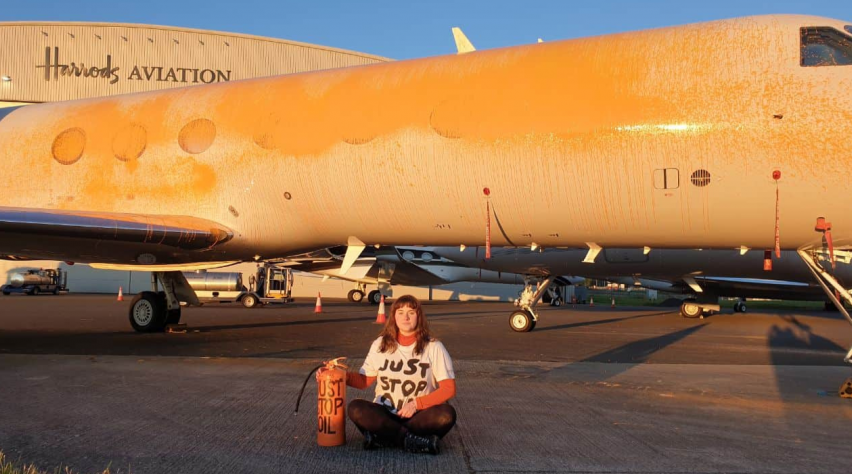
331 402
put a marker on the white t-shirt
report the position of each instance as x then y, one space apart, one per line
402 376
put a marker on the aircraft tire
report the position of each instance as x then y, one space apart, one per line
742 308
375 297
249 301
355 296
147 314
34 291
521 321
690 310
172 315
556 301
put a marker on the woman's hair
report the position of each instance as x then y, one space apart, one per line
391 331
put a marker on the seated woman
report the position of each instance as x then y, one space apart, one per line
415 380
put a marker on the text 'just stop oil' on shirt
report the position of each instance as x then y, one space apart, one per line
401 376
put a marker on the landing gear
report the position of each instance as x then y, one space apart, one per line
740 306
693 309
689 309
146 312
375 297
152 311
521 321
524 319
357 295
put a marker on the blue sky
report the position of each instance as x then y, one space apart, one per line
403 29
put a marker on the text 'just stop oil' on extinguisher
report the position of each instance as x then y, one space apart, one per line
331 402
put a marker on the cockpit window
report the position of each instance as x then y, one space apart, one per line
825 46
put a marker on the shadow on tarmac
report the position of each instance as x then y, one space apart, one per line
638 352
601 321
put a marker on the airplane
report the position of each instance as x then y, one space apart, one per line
388 266
727 134
707 274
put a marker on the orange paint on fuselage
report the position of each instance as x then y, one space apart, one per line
567 134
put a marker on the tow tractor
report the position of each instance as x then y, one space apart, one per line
34 282
269 284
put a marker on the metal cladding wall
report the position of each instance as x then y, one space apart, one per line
46 62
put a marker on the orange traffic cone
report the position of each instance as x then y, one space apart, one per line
592 301
120 295
380 317
318 307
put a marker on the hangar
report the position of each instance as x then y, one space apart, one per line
46 61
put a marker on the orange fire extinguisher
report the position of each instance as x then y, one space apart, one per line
331 402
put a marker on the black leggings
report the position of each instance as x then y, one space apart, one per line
375 418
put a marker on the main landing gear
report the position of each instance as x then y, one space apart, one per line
525 317
152 311
357 295
694 309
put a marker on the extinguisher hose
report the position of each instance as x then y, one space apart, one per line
299 400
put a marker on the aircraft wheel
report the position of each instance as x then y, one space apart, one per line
690 310
34 291
742 307
375 297
556 301
521 321
249 301
56 290
355 296
6 293
546 299
147 313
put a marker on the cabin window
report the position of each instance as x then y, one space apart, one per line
824 46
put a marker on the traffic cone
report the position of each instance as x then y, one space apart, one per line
613 304
591 301
318 307
380 317
120 295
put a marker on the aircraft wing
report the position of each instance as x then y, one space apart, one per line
95 237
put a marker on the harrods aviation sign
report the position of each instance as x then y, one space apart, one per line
55 69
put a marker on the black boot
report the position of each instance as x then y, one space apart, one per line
371 441
421 444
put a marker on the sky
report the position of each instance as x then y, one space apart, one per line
402 29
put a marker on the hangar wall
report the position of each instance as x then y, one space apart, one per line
45 61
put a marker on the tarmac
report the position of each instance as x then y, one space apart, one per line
589 390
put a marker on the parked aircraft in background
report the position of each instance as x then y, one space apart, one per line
709 135
388 266
708 274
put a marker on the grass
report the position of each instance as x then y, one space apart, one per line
8 467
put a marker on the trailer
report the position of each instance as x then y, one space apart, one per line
35 282
269 284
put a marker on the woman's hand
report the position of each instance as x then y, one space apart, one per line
320 371
408 410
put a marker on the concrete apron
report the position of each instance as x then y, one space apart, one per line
187 415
